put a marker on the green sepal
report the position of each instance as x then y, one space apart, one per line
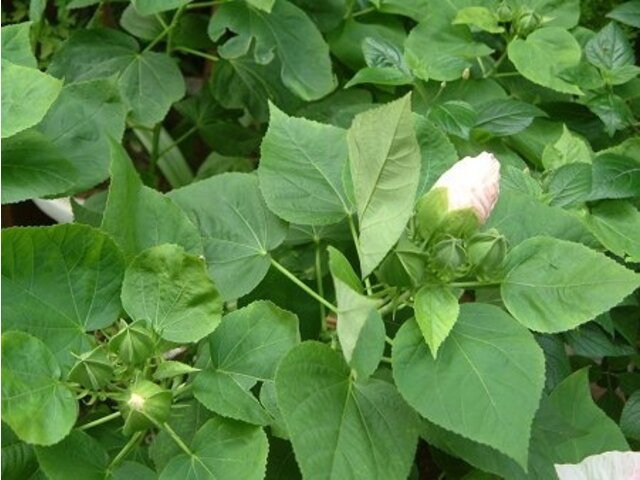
448 259
93 370
404 266
134 343
486 252
504 13
435 221
146 405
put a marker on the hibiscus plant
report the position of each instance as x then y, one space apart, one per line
343 239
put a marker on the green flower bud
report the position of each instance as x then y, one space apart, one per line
134 343
504 13
527 22
448 259
145 406
486 252
404 266
93 370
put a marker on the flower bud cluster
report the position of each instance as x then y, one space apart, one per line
447 243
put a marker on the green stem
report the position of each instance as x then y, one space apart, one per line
364 11
505 74
206 4
396 303
386 360
320 286
155 146
498 63
177 439
135 438
198 53
302 285
177 142
421 91
99 421
474 284
481 63
388 339
172 25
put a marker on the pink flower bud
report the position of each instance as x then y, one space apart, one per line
473 182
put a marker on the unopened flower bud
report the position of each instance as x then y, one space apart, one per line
466 73
448 259
133 343
486 252
527 22
93 370
146 405
504 13
462 199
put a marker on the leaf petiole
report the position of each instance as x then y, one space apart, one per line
282 269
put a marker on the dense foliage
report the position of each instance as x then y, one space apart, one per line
262 280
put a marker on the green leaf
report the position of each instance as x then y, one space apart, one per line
454 117
591 341
437 152
32 166
138 217
437 50
557 13
77 456
627 13
301 169
133 470
241 83
346 41
149 81
616 224
35 403
567 427
238 234
612 110
630 418
31 95
246 348
569 148
265 5
615 176
16 45
409 8
222 449
360 327
366 426
286 32
531 58
151 7
550 283
570 184
18 458
514 207
385 167
59 282
489 364
436 312
380 76
82 123
609 49
147 28
480 17
506 116
172 290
